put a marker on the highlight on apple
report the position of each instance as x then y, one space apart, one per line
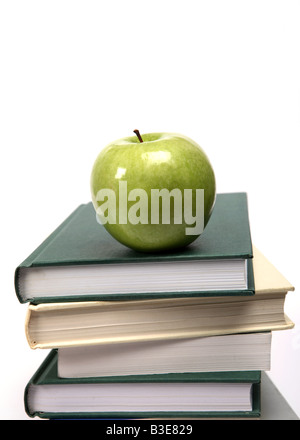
165 206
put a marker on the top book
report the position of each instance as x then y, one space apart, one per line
81 261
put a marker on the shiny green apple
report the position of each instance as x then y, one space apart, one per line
149 191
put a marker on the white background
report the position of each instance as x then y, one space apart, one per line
76 75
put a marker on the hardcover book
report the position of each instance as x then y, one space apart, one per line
237 352
70 324
80 261
193 395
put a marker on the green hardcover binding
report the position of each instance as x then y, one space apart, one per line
80 240
47 375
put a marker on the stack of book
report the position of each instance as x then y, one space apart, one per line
171 335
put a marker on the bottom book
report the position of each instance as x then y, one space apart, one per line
175 395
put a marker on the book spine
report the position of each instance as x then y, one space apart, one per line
29 261
48 361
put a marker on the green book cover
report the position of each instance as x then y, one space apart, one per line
46 376
80 241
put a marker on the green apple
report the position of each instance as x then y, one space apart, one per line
154 192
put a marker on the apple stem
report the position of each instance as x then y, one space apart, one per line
138 135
